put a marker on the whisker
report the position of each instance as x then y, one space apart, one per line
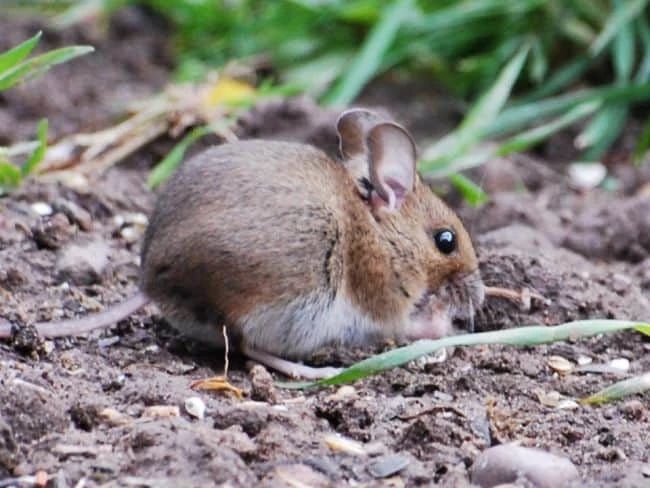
471 313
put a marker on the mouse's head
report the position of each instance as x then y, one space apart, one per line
433 275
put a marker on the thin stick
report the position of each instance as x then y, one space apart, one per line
523 297
224 331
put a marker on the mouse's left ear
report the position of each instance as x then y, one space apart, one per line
352 127
392 158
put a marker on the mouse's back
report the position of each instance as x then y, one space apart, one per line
245 224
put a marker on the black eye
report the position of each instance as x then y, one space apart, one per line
445 241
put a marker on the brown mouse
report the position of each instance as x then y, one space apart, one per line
293 251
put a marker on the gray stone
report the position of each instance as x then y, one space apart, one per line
509 463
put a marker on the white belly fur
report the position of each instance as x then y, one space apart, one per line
297 329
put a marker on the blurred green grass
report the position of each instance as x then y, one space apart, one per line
540 65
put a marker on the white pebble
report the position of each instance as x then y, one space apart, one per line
621 364
584 360
586 176
195 407
41 208
130 234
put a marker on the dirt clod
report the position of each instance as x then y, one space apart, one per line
83 263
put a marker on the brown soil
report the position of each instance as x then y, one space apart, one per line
587 254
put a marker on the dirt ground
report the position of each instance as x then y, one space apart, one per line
79 409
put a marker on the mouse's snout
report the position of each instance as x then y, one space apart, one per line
466 294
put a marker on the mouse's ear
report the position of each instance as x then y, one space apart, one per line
391 160
352 127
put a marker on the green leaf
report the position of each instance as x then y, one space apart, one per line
477 121
471 192
366 63
632 386
38 65
168 165
37 155
644 329
16 54
615 22
520 336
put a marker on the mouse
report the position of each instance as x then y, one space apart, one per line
292 250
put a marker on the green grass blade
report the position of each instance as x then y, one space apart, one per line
40 64
602 131
644 329
521 336
513 118
528 139
169 163
643 143
643 72
37 155
559 79
632 386
16 54
538 62
366 63
479 118
471 192
10 176
623 48
475 157
621 16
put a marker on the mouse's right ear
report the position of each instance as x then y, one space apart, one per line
353 126
392 160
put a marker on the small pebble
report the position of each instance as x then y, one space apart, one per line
549 399
195 407
584 360
113 417
586 176
161 411
130 234
621 364
509 463
388 465
41 208
559 364
338 443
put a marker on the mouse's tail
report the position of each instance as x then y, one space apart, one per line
81 325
